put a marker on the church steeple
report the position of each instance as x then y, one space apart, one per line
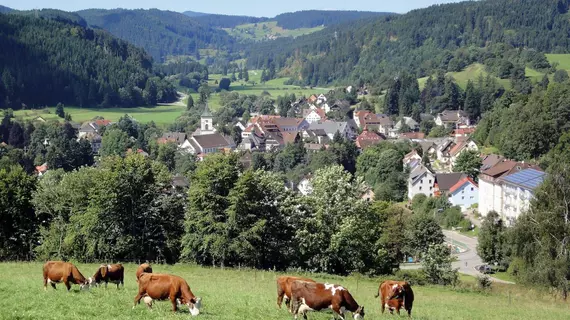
207 113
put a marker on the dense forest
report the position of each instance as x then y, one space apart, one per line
45 62
160 33
4 9
422 41
316 18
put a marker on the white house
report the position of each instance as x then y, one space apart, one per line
332 127
517 192
497 193
305 187
421 181
411 123
466 145
452 119
316 115
321 99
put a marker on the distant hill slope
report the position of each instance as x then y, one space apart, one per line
4 9
160 33
226 21
194 14
449 36
44 62
317 18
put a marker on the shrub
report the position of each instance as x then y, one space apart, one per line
484 282
414 277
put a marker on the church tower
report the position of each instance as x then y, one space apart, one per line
207 121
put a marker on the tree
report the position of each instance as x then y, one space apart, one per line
438 132
472 105
541 235
491 237
544 82
245 74
114 142
468 162
205 239
422 231
204 92
59 111
224 84
190 103
437 265
560 76
167 155
16 136
18 222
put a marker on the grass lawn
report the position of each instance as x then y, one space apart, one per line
162 115
233 294
562 59
275 88
261 31
472 233
505 276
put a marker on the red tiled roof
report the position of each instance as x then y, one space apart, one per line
463 131
461 182
42 168
103 122
367 139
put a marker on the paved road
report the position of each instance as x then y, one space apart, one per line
468 260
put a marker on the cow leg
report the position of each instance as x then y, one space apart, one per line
338 311
138 298
174 303
53 285
383 304
106 283
67 284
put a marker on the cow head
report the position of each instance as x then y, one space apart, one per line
194 305
359 313
85 285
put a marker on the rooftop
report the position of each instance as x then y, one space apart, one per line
528 178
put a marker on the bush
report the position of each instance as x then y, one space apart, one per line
437 266
484 282
452 217
414 277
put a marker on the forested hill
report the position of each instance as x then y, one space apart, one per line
421 41
316 18
45 62
4 9
53 14
160 33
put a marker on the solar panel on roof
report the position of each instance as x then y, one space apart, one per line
528 178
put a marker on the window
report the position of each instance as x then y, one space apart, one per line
429 181
462 198
463 191
422 181
430 188
420 188
472 189
471 197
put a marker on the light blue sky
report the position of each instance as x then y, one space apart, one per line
235 7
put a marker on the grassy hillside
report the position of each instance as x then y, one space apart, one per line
267 31
232 294
162 115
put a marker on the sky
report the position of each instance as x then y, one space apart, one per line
263 8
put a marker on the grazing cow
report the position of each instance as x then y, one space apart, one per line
311 296
284 289
59 271
143 268
165 286
109 273
395 295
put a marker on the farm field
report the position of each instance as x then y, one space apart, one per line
261 31
562 59
471 72
162 115
232 294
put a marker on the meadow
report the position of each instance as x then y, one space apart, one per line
247 294
166 114
261 31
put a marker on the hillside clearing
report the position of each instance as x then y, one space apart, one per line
232 294
267 31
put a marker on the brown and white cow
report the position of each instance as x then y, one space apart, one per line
143 268
284 289
109 273
395 295
59 271
166 286
311 296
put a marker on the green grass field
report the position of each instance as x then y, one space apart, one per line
162 115
264 30
233 294
275 88
562 59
